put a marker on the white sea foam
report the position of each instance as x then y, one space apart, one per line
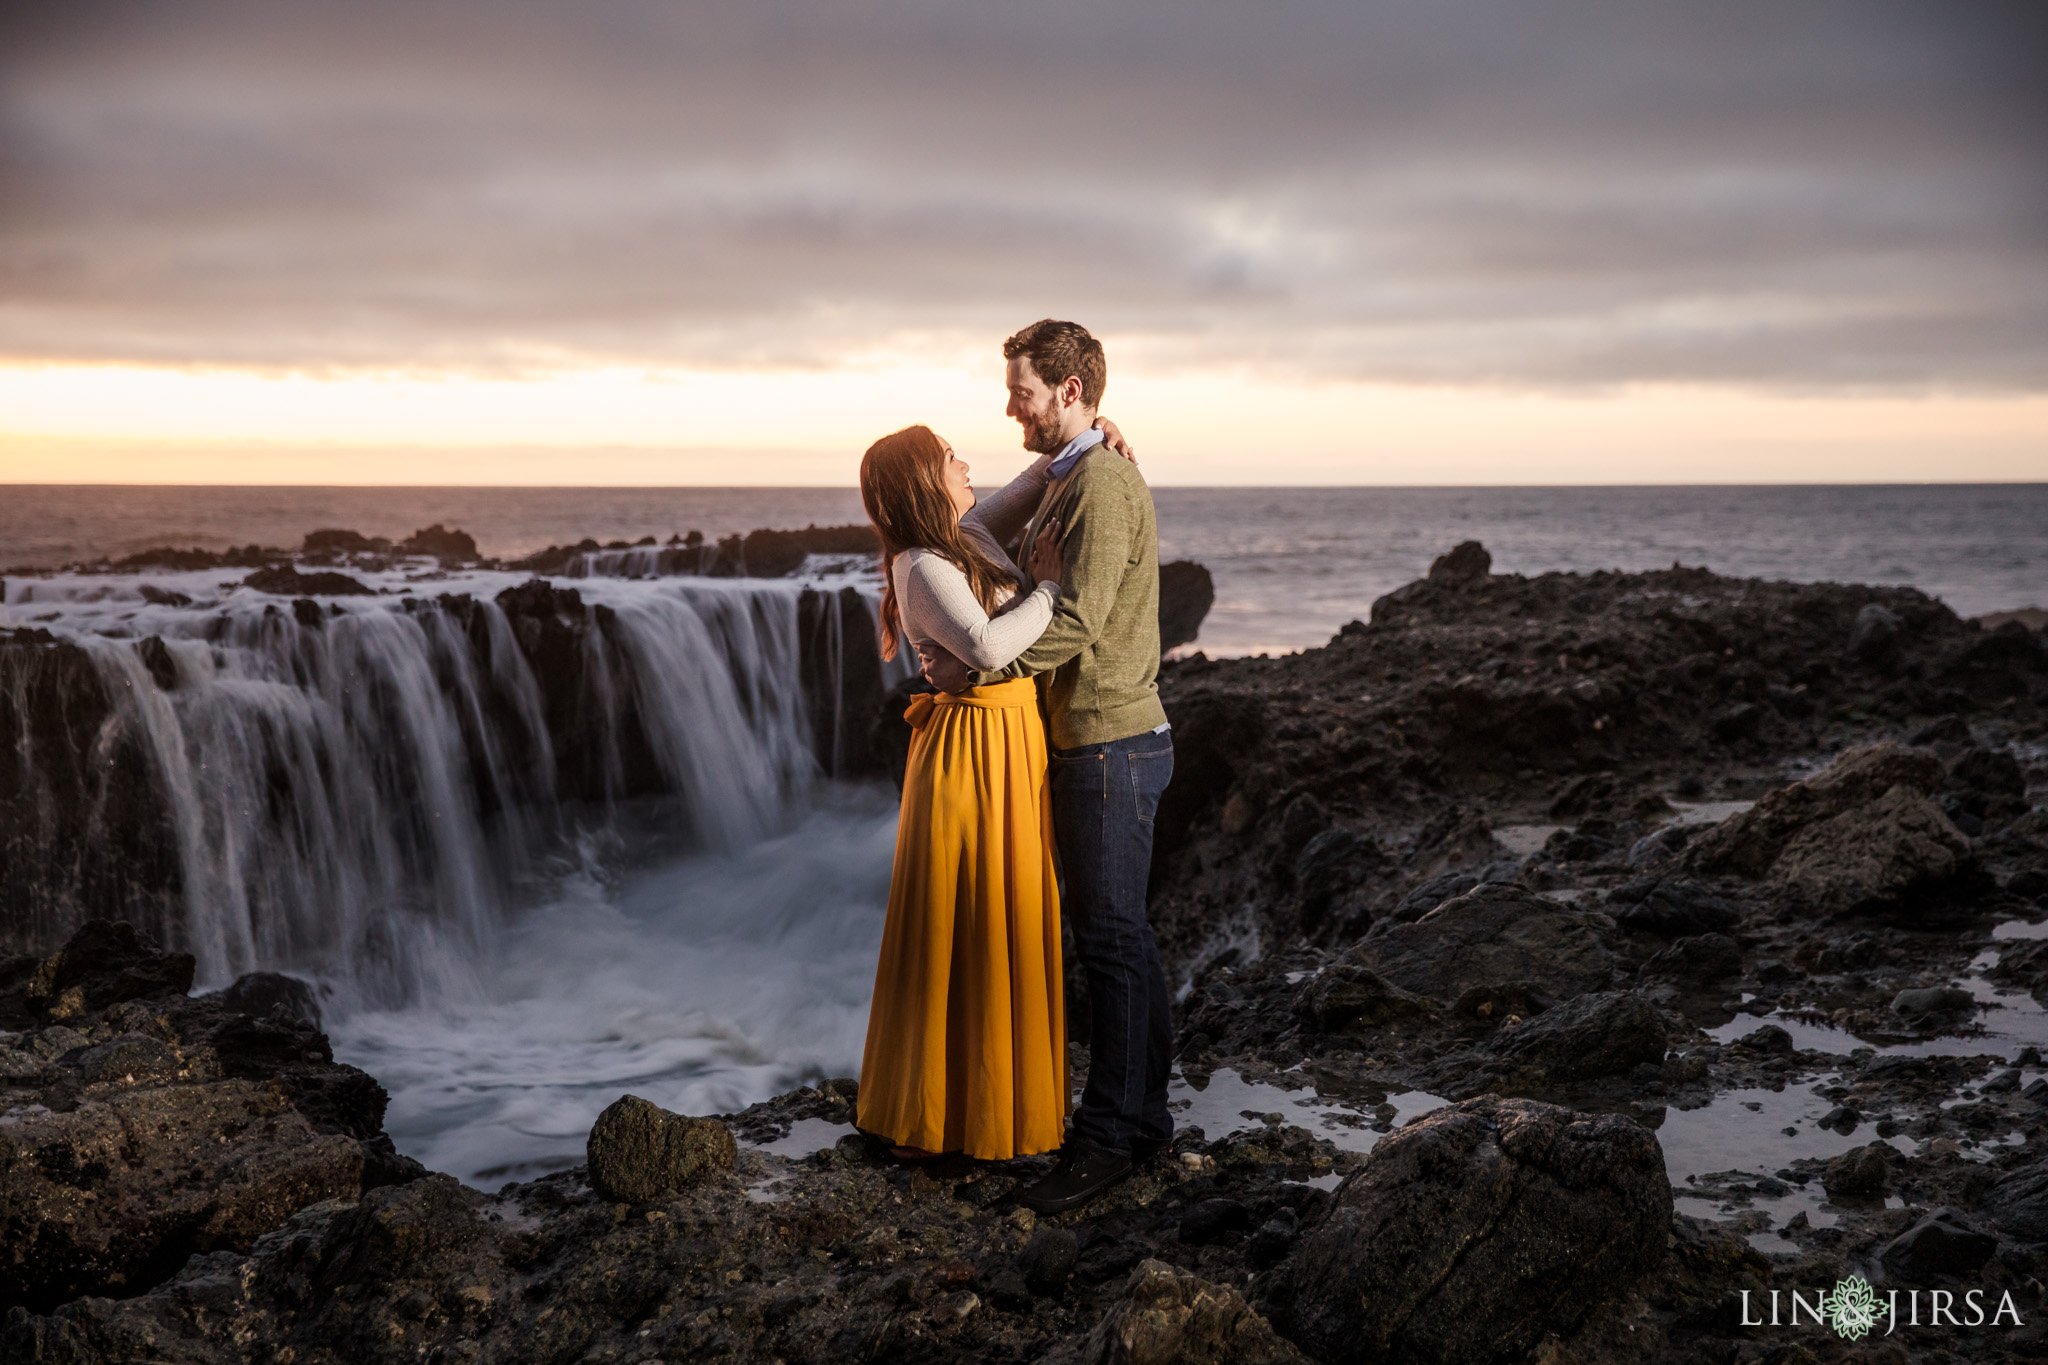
702 984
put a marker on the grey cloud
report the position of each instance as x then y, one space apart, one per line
1549 193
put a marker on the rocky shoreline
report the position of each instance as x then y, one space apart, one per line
1574 867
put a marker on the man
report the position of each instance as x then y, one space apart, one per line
1112 753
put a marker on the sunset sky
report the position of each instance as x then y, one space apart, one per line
646 242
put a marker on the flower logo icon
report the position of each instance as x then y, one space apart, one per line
1852 1308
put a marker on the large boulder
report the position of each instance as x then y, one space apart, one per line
640 1153
1885 853
263 994
1943 1244
1171 1317
450 547
1493 935
1473 1233
1186 592
1606 1033
1467 562
1862 835
1749 842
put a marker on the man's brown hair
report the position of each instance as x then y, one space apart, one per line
1060 351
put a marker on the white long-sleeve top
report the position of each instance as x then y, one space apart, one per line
936 604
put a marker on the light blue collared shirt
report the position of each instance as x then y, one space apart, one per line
1073 450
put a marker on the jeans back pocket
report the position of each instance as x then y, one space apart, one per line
1150 771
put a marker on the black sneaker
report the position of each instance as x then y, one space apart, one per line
1084 1171
1145 1149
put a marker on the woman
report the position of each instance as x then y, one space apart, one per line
966 1047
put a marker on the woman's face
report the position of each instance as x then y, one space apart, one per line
958 486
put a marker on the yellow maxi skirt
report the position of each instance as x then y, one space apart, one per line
966 1048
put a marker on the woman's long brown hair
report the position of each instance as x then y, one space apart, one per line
903 484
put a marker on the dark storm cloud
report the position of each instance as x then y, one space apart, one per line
1550 193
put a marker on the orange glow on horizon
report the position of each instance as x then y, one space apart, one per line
124 424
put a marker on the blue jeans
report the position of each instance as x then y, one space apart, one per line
1103 799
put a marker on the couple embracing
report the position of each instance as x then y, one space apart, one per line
1044 751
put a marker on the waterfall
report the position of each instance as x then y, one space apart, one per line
360 788
644 561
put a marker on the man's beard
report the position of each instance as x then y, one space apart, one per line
1042 432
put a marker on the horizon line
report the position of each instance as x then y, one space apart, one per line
1192 487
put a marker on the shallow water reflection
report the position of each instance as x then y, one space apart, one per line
1228 1103
1758 1133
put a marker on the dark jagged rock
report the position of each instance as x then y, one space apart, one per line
1700 959
2018 1204
1890 853
842 678
285 581
1942 1245
161 597
267 993
1047 1261
1862 835
1670 906
1475 1231
118 1193
104 963
1875 634
1926 1002
449 547
1492 935
1751 842
1329 867
334 541
1502 694
156 1127
156 657
758 554
1347 997
1212 1218
1186 592
1770 1039
1605 1033
1466 563
640 1152
1172 1317
183 561
83 830
1993 771
1860 1172
778 554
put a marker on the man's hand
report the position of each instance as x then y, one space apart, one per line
942 670
1114 439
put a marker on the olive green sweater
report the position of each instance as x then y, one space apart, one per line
1098 662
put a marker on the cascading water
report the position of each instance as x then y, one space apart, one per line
535 847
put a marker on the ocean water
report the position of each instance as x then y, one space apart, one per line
1291 564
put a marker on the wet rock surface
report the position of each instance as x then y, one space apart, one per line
639 1152
1666 934
1474 1232
140 1126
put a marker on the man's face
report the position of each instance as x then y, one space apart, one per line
1036 407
